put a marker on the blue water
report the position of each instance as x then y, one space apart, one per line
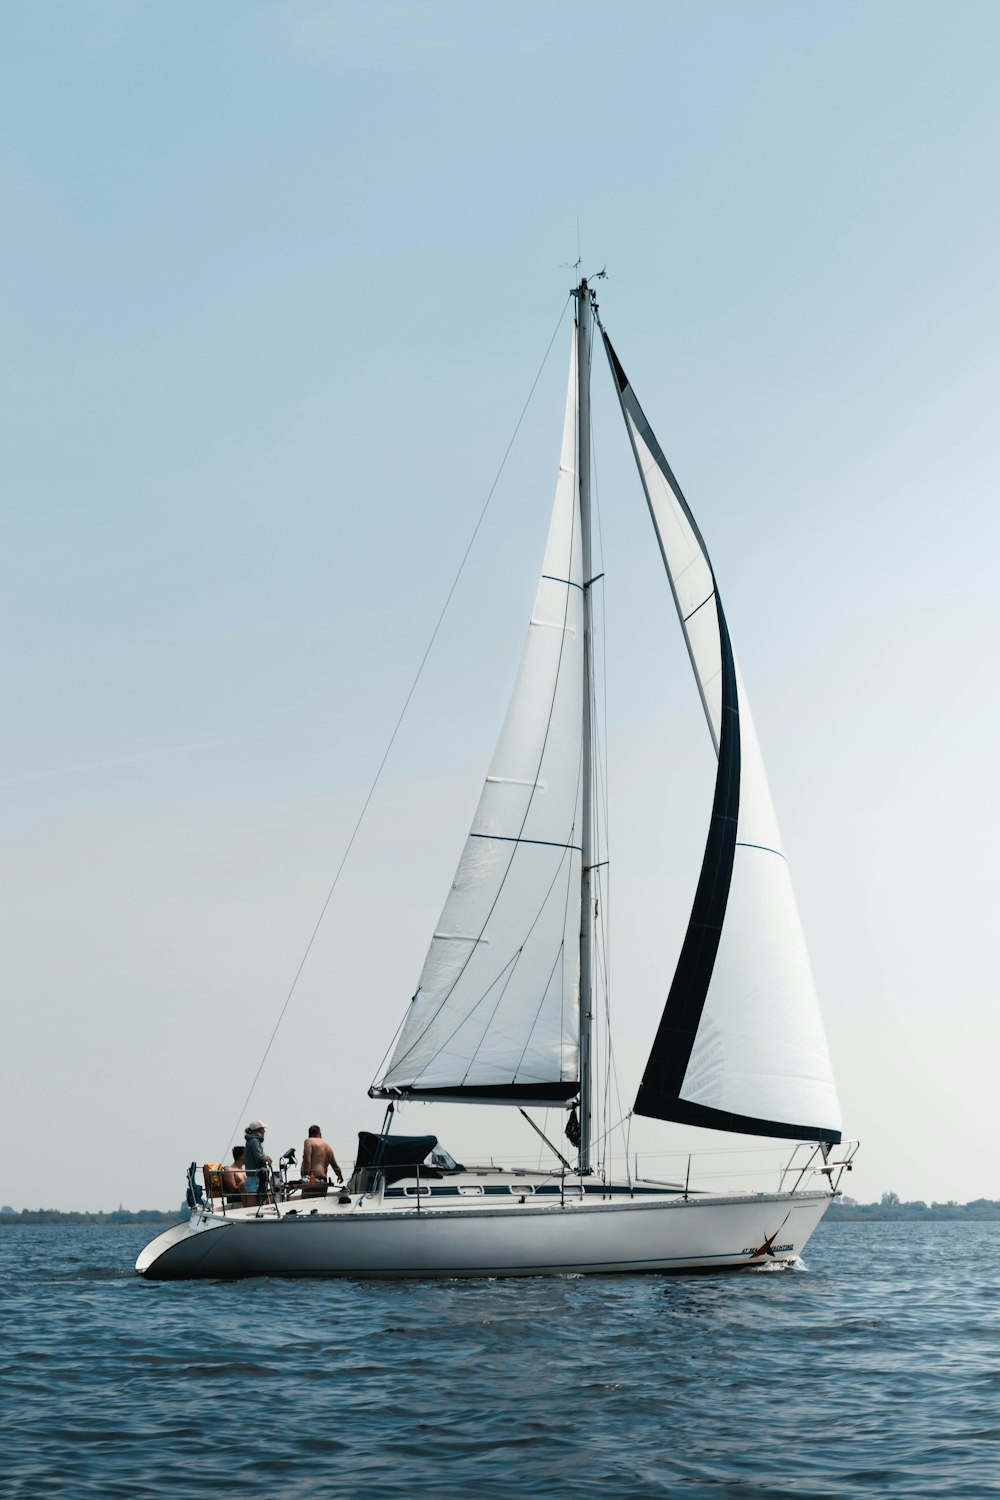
875 1370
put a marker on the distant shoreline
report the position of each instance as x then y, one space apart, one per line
890 1210
33 1216
842 1211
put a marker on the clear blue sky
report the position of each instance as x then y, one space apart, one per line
276 281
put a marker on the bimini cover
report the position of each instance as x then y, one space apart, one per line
395 1155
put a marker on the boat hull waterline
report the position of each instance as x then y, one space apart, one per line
664 1235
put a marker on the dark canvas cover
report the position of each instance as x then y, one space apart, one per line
395 1155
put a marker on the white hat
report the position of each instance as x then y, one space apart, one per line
255 1125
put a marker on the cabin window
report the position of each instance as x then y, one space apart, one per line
520 1188
418 1192
471 1190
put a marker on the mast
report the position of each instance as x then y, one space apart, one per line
583 332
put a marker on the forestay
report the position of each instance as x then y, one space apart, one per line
741 1044
495 1015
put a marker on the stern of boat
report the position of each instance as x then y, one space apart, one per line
183 1250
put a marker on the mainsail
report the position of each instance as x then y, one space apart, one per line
495 1015
740 1045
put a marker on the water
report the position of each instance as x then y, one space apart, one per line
874 1371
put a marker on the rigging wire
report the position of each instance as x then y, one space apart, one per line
402 714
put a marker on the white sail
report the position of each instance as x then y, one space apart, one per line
495 1015
741 1044
760 1051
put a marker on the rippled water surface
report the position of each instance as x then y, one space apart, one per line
876 1370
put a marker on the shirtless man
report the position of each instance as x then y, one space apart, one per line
318 1157
234 1174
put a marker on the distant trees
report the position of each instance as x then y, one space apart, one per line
10 1219
890 1206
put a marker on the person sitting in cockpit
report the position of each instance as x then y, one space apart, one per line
234 1176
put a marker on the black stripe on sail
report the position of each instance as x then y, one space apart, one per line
619 373
671 1050
502 1093
626 396
682 1112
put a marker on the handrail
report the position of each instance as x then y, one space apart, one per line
832 1170
213 1197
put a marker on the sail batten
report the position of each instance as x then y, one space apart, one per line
740 1045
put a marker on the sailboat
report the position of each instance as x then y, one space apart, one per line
503 1013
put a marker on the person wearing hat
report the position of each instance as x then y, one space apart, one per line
256 1163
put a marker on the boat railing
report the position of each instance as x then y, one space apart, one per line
815 1159
700 1172
221 1197
690 1174
274 1187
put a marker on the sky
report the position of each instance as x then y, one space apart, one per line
276 281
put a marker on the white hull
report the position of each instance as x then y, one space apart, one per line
364 1238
